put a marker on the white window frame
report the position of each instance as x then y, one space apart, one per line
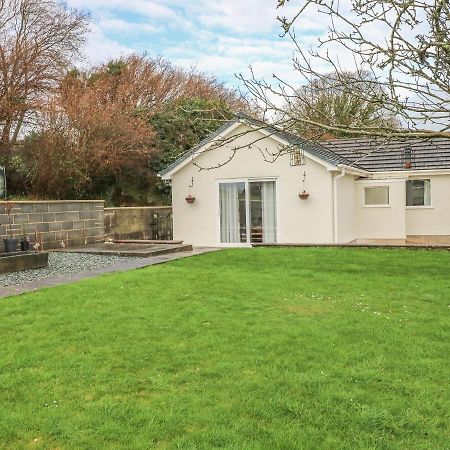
430 206
384 205
247 181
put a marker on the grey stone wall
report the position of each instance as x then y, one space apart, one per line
74 222
133 222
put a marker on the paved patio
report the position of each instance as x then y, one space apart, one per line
131 249
121 267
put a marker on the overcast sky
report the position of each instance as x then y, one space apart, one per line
218 37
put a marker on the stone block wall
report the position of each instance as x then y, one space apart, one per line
134 222
74 222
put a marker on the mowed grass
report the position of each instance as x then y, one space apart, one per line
240 349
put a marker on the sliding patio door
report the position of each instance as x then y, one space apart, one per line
233 216
247 212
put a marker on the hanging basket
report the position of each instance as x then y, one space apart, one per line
190 199
304 195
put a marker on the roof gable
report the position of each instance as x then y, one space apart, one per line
312 149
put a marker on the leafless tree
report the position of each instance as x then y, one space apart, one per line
97 124
403 44
38 41
324 101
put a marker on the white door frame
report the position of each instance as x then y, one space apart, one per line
246 181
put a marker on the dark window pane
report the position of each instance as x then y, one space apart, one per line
418 193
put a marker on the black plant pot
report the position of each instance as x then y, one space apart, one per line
10 245
25 246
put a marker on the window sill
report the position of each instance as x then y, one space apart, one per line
376 206
420 207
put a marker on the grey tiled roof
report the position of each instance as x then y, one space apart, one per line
378 155
309 146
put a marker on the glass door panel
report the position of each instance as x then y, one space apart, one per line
256 212
233 216
262 212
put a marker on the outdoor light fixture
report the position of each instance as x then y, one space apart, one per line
408 157
2 182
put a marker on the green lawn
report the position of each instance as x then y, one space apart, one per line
241 349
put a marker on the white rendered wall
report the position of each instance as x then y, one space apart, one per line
381 222
298 221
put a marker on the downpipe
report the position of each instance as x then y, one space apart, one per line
335 204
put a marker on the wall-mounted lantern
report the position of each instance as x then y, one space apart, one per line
297 157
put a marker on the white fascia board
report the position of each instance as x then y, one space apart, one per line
349 170
409 173
380 180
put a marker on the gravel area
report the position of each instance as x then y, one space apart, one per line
60 264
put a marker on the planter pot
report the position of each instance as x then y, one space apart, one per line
304 195
24 246
10 245
190 199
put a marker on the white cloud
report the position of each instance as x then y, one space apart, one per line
220 38
149 8
100 48
119 25
245 17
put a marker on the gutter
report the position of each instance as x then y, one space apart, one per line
409 173
353 170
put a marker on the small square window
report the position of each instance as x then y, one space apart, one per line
376 196
418 193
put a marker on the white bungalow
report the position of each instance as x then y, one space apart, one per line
354 191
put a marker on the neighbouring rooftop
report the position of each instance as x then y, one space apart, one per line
381 155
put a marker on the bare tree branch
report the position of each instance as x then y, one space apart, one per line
38 41
401 62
